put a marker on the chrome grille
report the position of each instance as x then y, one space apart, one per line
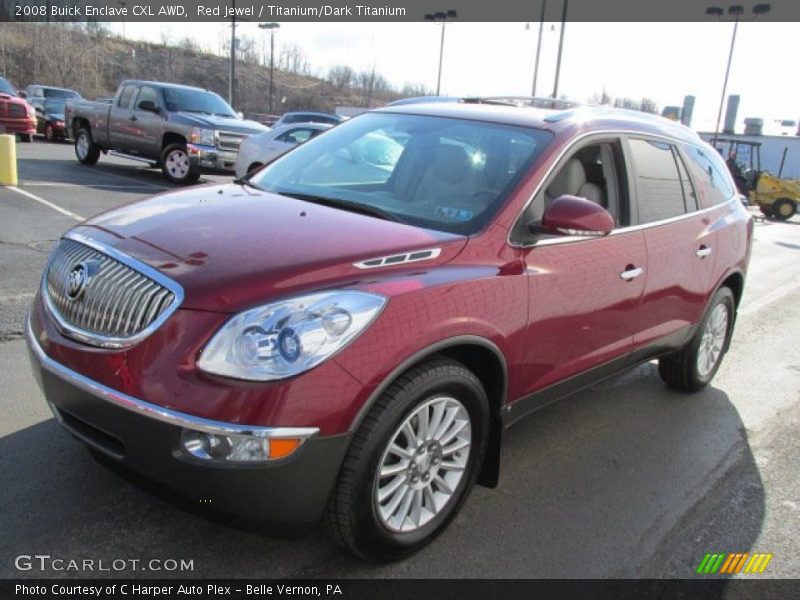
229 141
117 303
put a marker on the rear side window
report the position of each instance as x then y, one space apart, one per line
711 173
661 182
126 96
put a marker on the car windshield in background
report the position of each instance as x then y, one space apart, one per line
441 173
56 93
196 101
54 107
7 88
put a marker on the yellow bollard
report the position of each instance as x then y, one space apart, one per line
8 160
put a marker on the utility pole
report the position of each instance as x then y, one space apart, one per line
538 50
442 16
271 27
232 73
560 49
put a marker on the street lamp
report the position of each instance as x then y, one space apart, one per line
736 10
271 27
538 49
122 4
560 49
443 16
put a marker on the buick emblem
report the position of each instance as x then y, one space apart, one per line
77 279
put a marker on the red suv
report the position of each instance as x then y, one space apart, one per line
16 115
347 334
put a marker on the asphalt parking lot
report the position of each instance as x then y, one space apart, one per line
627 479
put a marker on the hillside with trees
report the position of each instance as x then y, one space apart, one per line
86 57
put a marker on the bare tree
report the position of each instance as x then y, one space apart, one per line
341 76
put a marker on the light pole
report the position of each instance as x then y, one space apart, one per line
560 49
271 27
736 10
442 16
538 50
232 70
122 5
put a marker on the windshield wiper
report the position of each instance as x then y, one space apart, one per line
356 207
245 180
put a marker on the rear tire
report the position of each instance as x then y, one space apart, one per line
86 150
426 475
26 138
176 166
784 209
693 367
49 134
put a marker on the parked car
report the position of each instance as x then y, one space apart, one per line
184 130
50 120
16 115
258 150
352 345
37 95
307 117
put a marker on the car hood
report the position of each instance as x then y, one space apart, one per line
221 123
231 246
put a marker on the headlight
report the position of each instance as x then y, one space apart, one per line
203 137
285 338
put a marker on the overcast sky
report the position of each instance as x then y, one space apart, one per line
661 61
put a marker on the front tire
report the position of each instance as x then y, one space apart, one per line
176 166
49 134
693 367
412 463
87 152
784 209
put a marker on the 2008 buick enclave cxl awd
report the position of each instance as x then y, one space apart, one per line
347 339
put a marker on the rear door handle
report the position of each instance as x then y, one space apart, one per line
630 273
703 251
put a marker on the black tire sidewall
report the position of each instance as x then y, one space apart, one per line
777 213
376 539
49 134
723 295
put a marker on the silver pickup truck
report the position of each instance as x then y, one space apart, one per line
184 130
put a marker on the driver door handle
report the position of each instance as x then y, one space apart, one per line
630 273
703 251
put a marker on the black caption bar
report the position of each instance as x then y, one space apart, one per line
382 10
439 589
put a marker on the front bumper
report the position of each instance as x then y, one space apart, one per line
23 126
211 158
145 438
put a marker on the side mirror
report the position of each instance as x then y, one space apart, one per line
571 215
149 106
23 94
240 114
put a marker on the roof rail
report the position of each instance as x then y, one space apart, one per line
532 101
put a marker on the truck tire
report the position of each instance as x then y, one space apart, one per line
693 367
86 150
26 138
784 209
176 166
411 463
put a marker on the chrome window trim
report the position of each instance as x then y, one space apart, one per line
629 228
109 342
154 411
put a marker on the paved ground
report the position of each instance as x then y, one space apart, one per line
625 479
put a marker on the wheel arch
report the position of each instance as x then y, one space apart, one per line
170 137
484 358
77 123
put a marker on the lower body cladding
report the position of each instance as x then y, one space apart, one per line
188 454
210 158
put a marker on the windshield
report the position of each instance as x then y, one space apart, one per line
58 93
54 107
6 88
182 100
441 173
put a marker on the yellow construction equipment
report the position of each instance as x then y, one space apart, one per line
776 197
8 160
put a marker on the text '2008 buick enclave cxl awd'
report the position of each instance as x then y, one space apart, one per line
346 334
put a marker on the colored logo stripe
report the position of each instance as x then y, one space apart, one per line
732 563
